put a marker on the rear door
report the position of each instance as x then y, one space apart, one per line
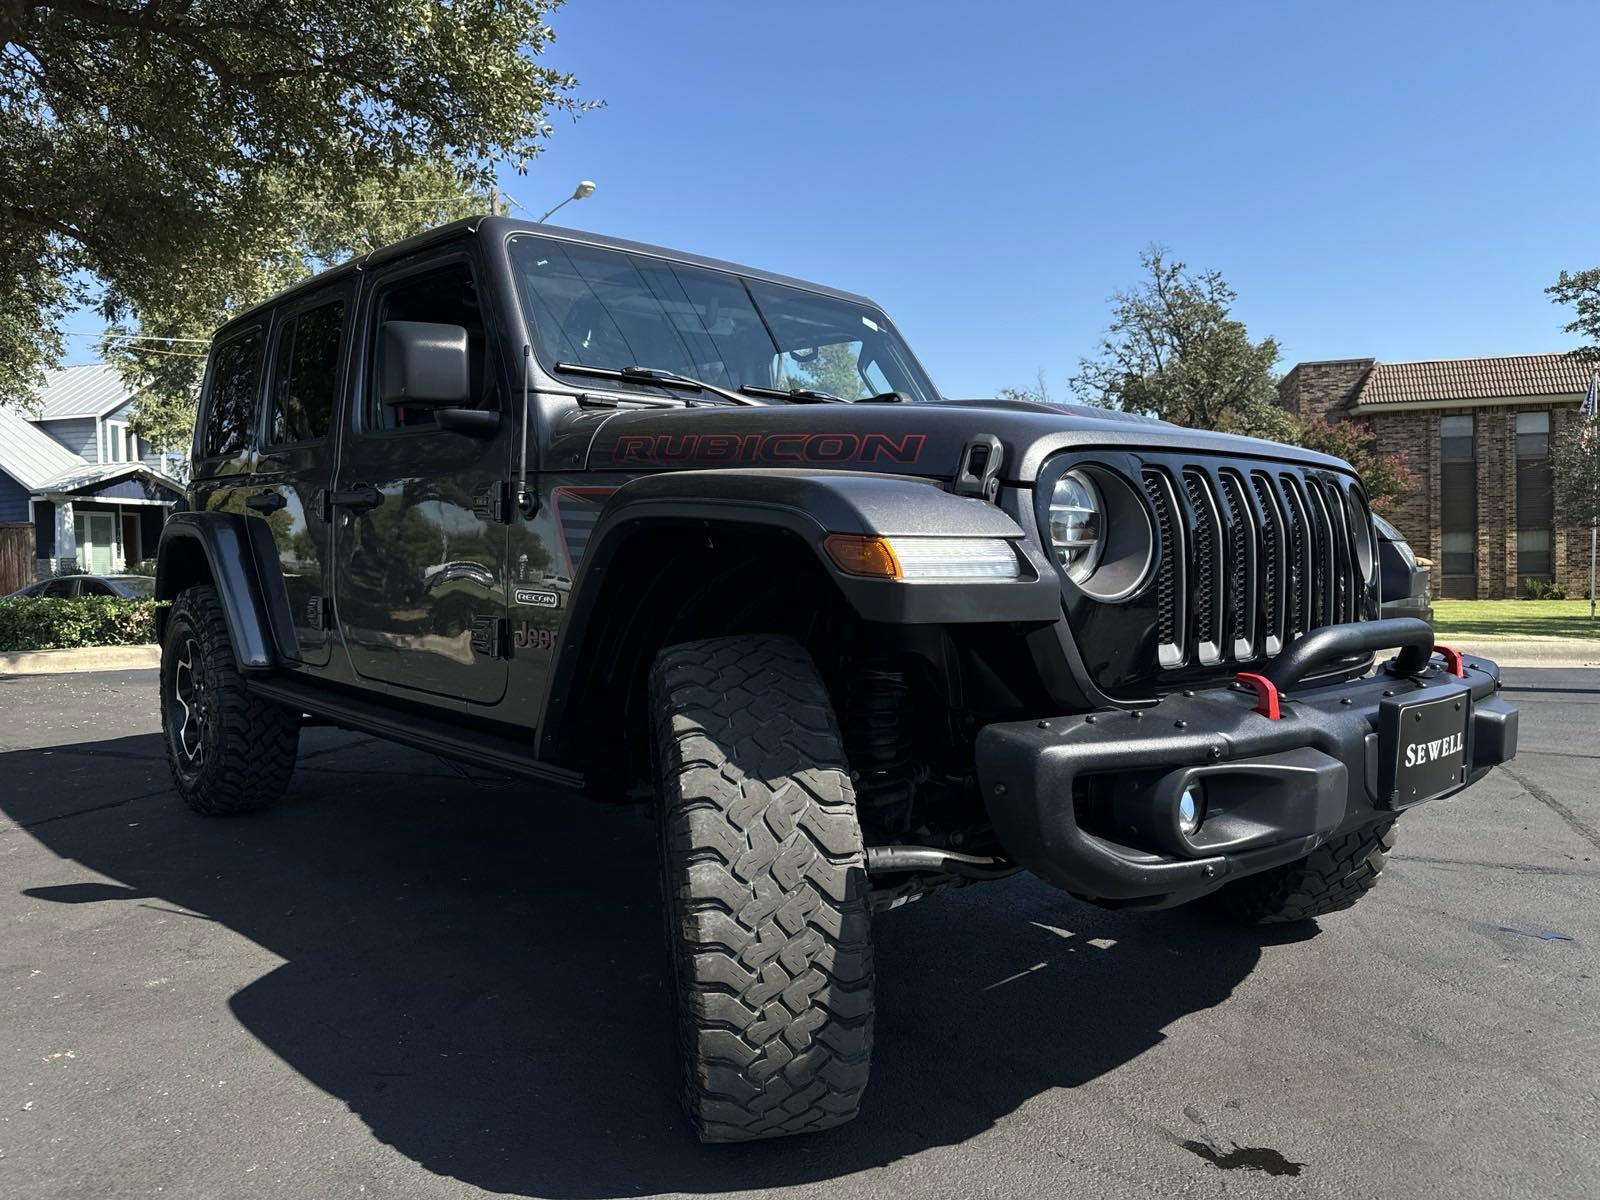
305 385
421 578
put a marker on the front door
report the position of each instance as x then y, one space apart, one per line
421 544
96 536
295 466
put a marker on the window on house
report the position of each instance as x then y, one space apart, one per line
1533 553
132 446
1458 505
1455 439
1458 550
1535 496
1533 435
233 395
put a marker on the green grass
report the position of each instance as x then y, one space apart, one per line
1467 619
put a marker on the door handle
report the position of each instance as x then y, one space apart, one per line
266 502
358 498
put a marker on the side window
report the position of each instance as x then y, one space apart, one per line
446 296
93 587
305 374
235 388
58 589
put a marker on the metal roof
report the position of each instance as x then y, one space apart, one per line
86 474
31 456
1445 381
90 390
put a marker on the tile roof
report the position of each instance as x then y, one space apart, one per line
1449 380
29 455
89 390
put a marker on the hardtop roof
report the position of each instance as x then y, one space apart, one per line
501 227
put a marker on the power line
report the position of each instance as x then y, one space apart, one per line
138 337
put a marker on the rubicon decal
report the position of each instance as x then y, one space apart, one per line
815 448
1436 748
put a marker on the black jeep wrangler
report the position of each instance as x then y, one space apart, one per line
618 518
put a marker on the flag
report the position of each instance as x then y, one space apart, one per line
1591 399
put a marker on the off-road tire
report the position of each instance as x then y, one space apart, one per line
766 890
1332 877
245 745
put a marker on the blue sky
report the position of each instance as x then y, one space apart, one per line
1392 180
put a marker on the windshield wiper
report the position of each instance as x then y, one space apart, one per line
669 379
798 395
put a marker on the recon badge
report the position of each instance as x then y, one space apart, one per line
537 598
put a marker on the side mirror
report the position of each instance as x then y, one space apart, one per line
423 365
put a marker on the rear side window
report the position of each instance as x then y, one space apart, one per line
305 374
235 388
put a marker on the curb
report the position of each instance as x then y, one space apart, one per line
1543 652
81 658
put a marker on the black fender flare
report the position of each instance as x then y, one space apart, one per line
815 503
811 504
238 555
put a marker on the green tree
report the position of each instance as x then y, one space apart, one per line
1175 351
1575 468
1580 289
1386 475
168 162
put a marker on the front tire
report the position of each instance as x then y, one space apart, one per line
766 890
1329 879
229 750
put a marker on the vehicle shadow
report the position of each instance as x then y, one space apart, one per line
476 972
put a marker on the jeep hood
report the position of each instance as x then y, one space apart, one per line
911 439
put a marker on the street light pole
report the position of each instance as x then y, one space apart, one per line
583 191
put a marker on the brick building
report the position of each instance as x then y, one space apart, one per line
1477 432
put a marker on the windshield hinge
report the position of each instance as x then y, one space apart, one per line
978 471
494 503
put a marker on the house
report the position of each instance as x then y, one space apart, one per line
1477 433
95 494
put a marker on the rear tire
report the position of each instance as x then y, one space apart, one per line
229 750
1331 878
766 890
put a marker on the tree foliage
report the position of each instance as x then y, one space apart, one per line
1175 351
1386 475
1581 289
169 162
1575 467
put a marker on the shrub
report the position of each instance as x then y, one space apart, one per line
41 623
1538 589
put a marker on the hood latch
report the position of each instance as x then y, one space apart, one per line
978 471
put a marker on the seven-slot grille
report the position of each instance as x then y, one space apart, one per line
1250 558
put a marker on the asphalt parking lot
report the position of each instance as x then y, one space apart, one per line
407 983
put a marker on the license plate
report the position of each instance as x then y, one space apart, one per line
1425 742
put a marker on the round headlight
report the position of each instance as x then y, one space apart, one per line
1077 525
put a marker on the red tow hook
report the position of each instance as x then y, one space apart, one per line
1452 660
1266 693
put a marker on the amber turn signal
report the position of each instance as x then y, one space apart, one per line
857 554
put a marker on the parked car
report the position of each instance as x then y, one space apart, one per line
713 536
1405 579
63 587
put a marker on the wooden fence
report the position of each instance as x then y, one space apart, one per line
16 556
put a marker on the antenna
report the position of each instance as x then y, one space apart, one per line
527 502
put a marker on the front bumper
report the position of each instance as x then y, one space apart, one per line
1088 802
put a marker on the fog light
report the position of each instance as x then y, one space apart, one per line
1191 810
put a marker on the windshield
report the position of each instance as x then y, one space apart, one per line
596 307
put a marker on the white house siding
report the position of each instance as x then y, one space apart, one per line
77 434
